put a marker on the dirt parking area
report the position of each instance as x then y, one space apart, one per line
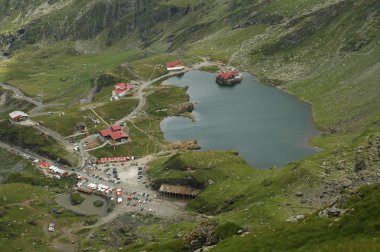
136 195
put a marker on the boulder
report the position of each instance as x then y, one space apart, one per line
299 194
203 235
292 219
330 212
359 165
333 212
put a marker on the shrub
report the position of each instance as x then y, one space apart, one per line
76 198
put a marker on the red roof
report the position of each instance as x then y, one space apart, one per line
116 135
174 64
114 132
44 165
121 87
116 127
119 90
227 75
106 132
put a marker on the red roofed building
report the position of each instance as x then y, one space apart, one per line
114 132
122 89
113 160
116 127
229 78
176 65
44 165
17 116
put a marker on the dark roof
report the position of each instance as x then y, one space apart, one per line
184 190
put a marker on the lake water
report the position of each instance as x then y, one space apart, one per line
266 125
86 207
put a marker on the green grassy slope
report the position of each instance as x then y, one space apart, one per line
358 230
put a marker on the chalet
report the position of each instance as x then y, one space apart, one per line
115 133
176 65
122 89
229 78
18 116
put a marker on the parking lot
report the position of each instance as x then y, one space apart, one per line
142 201
136 195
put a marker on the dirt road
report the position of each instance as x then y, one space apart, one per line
20 95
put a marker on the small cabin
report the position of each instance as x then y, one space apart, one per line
81 127
122 89
18 116
175 65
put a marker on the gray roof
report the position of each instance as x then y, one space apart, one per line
15 114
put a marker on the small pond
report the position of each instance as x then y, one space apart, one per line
86 207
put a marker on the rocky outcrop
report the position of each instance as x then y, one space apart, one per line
308 24
203 235
183 108
255 19
185 145
296 218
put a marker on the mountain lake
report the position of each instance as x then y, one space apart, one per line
267 126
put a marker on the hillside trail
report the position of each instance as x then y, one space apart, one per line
131 71
20 95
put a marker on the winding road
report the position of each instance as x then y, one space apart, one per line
20 95
141 95
39 106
